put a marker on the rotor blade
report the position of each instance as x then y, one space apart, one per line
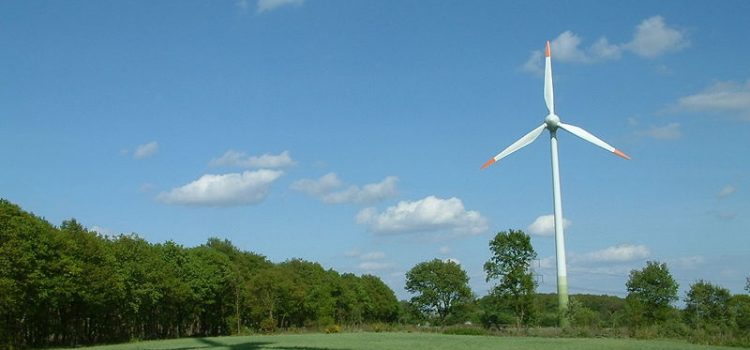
591 138
549 95
521 143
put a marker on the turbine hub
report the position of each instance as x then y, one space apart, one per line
552 121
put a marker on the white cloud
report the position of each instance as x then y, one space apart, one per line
727 191
445 250
545 225
325 184
549 262
688 262
670 131
268 5
146 150
375 265
429 214
249 187
603 50
372 256
534 63
234 158
565 48
619 253
325 189
654 38
727 97
369 193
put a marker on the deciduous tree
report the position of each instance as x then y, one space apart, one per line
510 267
707 303
651 292
440 286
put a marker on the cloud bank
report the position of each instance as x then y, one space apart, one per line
545 225
326 188
616 254
430 214
234 189
721 97
652 38
238 159
671 131
727 191
146 150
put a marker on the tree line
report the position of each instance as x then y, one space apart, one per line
712 314
71 286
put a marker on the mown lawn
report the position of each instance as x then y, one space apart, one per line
399 341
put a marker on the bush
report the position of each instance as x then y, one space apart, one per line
379 327
465 331
497 319
334 328
268 325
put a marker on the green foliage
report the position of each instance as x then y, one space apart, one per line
465 330
581 315
651 292
510 266
707 304
739 308
71 286
441 287
334 328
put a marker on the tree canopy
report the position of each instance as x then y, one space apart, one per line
71 286
510 266
651 292
441 287
707 303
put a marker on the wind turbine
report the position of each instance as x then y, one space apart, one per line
552 123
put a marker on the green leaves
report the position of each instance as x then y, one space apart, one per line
707 303
70 286
510 266
440 287
651 291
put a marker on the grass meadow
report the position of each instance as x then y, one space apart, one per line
400 341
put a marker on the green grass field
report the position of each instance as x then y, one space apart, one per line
399 341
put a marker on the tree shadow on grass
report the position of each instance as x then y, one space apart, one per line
208 344
301 348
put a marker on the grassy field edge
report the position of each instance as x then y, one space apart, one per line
397 341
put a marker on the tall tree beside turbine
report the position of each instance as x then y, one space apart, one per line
552 123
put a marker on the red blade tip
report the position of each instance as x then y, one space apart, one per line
547 52
619 153
489 162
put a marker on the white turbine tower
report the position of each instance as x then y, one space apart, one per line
552 123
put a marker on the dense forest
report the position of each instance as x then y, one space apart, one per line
71 286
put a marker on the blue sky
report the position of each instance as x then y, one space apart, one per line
351 132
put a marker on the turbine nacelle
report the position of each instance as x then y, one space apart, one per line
552 121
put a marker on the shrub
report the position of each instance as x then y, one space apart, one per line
465 331
268 325
334 328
